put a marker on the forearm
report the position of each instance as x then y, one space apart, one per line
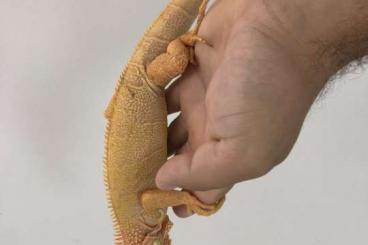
341 30
328 34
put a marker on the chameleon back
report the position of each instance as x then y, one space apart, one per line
136 133
136 144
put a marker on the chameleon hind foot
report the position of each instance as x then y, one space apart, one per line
179 53
174 61
152 200
190 39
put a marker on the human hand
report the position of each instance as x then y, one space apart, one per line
243 106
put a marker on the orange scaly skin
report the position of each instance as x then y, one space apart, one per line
137 129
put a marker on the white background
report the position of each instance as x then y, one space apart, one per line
59 61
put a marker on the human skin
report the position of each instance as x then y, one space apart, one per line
243 106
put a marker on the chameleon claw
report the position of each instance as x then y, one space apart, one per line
190 39
199 40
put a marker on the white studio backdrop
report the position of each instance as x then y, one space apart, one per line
59 64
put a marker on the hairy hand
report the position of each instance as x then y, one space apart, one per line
243 106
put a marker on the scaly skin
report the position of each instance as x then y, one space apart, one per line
137 129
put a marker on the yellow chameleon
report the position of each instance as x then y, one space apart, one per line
136 131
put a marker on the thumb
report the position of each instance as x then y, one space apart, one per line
208 168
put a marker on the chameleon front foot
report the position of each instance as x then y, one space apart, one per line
179 53
152 200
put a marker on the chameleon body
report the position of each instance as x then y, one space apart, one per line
136 133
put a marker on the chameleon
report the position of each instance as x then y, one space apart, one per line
136 131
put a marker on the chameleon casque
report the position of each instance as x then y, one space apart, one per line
136 133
